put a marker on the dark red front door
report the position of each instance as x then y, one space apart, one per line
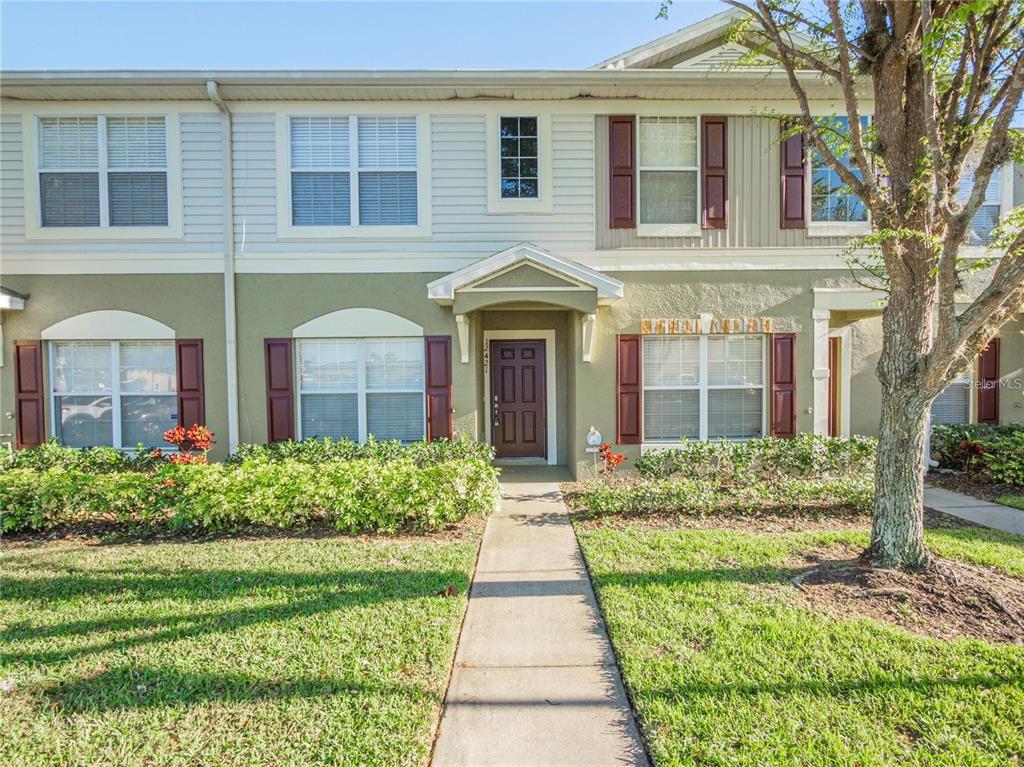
518 409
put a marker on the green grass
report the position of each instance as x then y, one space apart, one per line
234 652
1016 501
726 669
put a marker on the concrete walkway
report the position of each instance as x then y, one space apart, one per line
535 681
986 513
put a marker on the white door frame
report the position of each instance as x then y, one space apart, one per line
548 337
845 360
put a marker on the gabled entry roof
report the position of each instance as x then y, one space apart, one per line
536 271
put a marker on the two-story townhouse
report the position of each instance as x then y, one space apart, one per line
514 255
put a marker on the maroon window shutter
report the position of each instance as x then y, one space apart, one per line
28 376
280 389
792 182
622 176
783 384
191 391
988 383
438 351
713 172
628 390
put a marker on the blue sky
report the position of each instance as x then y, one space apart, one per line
341 35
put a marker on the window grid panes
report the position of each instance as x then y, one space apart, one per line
103 171
113 393
348 170
984 221
669 168
354 388
831 198
703 387
519 158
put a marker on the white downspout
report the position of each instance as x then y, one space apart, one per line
230 324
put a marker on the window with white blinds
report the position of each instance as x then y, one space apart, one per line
953 405
349 170
103 171
669 168
703 387
986 218
356 387
113 393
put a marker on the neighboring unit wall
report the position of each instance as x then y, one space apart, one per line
1011 373
191 304
754 189
199 249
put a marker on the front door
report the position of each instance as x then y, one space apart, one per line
518 409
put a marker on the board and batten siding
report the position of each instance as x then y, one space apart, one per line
753 193
461 226
202 189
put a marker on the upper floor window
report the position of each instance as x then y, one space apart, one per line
113 393
832 200
669 169
347 170
519 158
986 218
703 387
103 171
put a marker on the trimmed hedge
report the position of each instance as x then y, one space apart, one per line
424 490
769 458
805 476
987 452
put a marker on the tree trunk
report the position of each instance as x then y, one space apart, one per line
897 530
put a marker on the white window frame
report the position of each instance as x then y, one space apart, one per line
115 393
31 129
828 228
544 202
1005 205
361 389
669 230
287 230
703 387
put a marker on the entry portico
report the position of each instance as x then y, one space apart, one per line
525 320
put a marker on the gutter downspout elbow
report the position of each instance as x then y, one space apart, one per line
230 313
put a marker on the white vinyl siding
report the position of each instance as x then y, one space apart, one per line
986 218
703 387
669 170
113 393
103 171
336 180
355 388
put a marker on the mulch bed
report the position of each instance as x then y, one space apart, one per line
949 600
961 484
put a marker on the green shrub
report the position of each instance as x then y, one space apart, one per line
767 459
989 453
317 451
424 490
53 455
846 496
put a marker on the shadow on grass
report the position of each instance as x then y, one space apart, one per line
294 595
143 687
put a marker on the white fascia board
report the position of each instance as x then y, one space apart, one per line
849 299
443 289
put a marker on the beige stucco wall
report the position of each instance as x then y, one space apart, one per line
1011 372
192 304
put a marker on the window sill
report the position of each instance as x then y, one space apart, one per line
830 229
668 230
289 232
109 233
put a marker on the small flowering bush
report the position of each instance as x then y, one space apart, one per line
984 452
609 460
193 443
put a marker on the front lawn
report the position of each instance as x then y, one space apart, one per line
728 664
274 651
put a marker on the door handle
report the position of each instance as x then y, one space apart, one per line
494 413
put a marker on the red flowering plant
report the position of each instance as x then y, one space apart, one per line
609 461
971 453
193 443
